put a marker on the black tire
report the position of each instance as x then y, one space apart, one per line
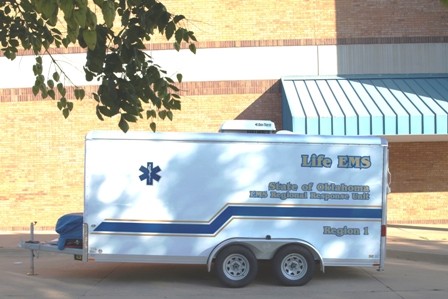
236 266
293 265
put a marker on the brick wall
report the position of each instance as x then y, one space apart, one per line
419 166
418 208
419 190
253 23
387 18
243 23
319 21
236 20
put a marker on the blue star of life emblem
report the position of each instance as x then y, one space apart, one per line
149 173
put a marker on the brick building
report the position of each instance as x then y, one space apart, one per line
245 48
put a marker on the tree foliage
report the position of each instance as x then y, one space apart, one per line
113 33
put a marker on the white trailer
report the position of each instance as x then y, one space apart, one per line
229 200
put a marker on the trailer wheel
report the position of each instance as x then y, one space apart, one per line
236 266
293 265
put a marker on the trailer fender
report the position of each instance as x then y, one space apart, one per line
263 248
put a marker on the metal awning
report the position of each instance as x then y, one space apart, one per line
384 105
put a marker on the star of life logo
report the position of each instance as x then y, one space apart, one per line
150 173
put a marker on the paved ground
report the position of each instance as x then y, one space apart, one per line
416 267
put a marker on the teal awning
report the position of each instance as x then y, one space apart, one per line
366 105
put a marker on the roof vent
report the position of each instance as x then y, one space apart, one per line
248 126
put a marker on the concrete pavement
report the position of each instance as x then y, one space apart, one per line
418 242
416 267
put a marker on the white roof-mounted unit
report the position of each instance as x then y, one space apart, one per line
248 126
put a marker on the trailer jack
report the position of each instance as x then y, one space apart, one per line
33 253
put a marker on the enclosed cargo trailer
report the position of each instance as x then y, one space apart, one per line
230 200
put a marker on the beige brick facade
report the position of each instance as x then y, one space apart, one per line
41 157
320 20
419 190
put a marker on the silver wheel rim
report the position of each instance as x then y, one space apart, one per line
236 267
294 266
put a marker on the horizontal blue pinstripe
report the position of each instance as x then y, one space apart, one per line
237 211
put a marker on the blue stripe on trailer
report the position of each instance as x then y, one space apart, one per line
237 211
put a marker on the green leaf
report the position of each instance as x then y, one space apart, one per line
35 90
15 43
61 89
72 32
108 10
56 76
162 114
178 18
173 87
80 16
151 114
113 63
53 18
179 35
79 93
129 117
175 104
48 7
66 41
52 94
7 54
37 69
43 92
177 46
40 79
91 19
67 7
123 124
192 48
56 31
191 35
65 112
170 30
179 78
185 36
89 74
98 113
50 83
90 38
105 111
125 18
153 126
169 114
